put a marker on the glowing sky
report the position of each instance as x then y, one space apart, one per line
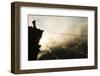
56 29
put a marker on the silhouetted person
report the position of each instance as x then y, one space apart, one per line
34 36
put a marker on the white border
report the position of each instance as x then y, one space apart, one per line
25 64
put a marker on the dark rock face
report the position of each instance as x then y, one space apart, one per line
34 36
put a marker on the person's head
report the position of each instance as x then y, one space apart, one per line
34 24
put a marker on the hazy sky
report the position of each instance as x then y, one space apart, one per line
56 28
